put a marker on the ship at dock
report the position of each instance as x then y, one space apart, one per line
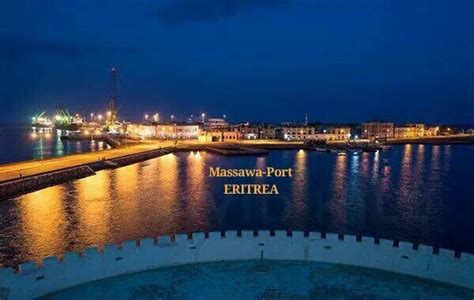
65 121
41 122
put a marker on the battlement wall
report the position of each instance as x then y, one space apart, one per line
134 256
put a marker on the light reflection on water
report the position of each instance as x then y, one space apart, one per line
18 144
416 193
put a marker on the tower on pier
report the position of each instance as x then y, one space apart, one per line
111 112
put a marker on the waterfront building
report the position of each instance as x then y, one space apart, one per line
409 131
141 130
337 133
431 130
254 131
296 132
247 131
447 130
377 130
231 136
225 135
164 131
213 123
267 132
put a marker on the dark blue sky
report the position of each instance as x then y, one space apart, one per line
337 60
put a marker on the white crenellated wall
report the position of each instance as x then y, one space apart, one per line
32 281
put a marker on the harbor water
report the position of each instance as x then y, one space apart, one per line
18 143
416 193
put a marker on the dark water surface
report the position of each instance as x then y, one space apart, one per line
422 194
18 144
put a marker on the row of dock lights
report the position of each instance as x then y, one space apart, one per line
99 117
156 117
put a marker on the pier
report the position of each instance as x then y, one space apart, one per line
236 150
28 176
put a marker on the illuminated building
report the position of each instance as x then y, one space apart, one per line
165 131
224 135
297 133
213 123
230 136
377 130
431 130
267 132
337 133
410 131
249 132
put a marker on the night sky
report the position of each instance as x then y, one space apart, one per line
255 60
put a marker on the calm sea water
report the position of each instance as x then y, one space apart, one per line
17 144
422 194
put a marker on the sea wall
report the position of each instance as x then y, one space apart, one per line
23 185
53 274
142 156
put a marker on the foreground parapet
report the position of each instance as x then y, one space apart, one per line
52 274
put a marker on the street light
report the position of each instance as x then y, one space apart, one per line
203 115
172 118
92 116
100 118
146 117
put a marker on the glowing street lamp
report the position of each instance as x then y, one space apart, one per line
156 117
172 118
146 117
92 116
203 115
99 117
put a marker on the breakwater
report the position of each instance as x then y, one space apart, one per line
139 157
242 148
236 151
53 274
23 185
26 184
